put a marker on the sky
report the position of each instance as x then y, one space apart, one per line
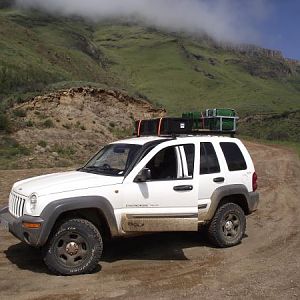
281 29
272 24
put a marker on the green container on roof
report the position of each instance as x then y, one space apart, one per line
216 119
196 116
220 112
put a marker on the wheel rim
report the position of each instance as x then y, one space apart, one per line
71 249
231 226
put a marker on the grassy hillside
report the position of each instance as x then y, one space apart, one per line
37 51
185 74
40 52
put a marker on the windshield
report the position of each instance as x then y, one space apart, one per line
113 159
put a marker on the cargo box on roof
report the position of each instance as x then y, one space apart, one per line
164 126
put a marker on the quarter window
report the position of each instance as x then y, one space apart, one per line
209 163
234 157
189 150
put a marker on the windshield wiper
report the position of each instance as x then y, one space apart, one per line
103 170
91 168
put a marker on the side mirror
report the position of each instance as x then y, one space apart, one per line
143 176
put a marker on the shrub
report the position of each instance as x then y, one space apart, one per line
4 123
42 144
66 152
277 135
21 113
29 123
10 148
48 123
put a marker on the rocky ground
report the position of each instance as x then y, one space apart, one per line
170 265
68 126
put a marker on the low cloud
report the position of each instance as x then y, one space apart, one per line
234 21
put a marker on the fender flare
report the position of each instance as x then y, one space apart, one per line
224 191
53 210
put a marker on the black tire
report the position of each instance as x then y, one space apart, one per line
228 226
74 248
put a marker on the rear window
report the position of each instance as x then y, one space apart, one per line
234 157
209 163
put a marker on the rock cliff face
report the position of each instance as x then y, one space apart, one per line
253 50
70 125
284 66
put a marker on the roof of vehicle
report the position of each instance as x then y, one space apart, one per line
146 139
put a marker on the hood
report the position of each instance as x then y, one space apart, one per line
63 182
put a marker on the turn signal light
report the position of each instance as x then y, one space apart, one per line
31 225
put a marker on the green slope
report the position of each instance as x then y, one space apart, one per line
37 51
185 74
41 52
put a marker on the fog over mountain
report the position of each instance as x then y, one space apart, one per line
223 20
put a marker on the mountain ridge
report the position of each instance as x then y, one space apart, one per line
41 53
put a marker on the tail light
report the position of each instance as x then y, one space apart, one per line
254 182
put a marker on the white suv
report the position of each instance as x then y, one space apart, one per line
145 184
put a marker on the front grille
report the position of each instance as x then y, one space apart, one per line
16 204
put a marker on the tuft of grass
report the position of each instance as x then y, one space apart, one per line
48 123
5 124
29 123
121 133
21 113
10 149
42 144
66 152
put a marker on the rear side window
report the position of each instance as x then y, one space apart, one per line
209 163
234 157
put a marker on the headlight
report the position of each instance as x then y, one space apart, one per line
33 202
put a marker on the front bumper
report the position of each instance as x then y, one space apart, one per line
15 226
253 201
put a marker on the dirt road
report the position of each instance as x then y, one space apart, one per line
265 265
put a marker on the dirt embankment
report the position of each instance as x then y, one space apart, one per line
70 125
265 266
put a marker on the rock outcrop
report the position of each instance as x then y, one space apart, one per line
70 125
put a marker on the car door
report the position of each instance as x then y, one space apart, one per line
168 200
212 175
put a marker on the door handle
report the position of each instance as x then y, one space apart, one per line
180 188
219 179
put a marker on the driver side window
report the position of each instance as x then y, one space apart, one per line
163 165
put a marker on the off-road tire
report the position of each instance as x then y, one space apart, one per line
74 248
228 226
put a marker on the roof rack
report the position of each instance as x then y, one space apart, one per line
212 122
173 127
